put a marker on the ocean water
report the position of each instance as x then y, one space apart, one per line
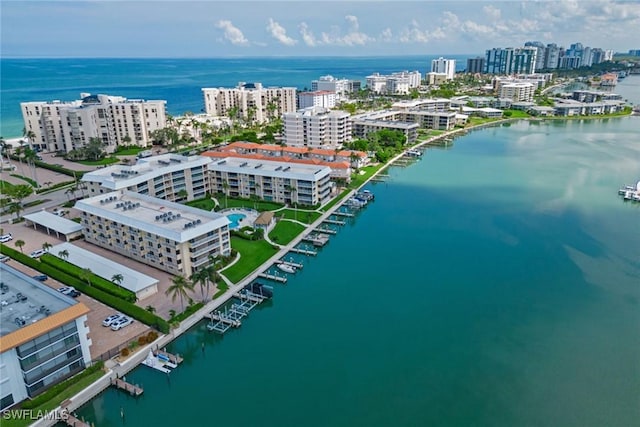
493 283
178 81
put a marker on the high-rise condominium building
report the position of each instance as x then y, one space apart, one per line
318 98
114 120
520 60
446 66
475 65
250 101
317 127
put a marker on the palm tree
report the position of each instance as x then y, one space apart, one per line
86 274
179 287
182 194
205 277
19 244
63 254
46 246
293 191
117 279
225 187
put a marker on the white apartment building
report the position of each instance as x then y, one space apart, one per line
399 83
43 337
318 98
377 83
444 66
169 236
317 127
284 182
517 91
251 101
169 176
115 120
341 87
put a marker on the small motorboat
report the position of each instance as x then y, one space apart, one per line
287 268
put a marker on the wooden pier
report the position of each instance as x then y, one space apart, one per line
334 222
120 384
303 251
273 277
347 214
73 421
316 240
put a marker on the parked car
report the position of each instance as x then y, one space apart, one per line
4 258
121 323
5 238
37 253
41 277
111 319
59 212
69 291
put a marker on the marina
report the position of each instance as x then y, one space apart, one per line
273 277
246 300
326 231
316 239
303 251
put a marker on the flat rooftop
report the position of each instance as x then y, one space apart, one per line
54 222
104 267
31 309
156 216
270 168
122 176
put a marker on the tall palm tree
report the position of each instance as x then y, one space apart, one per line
19 244
46 246
30 157
179 287
86 274
293 191
225 187
117 279
63 254
204 277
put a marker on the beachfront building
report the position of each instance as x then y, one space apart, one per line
44 337
114 120
341 87
171 177
250 101
318 98
444 66
400 83
284 182
569 107
169 236
475 65
317 127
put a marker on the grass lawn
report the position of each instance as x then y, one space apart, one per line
70 391
517 114
302 216
129 151
205 204
5 186
260 205
335 200
102 162
285 231
358 180
252 255
474 121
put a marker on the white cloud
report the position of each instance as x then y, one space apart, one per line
386 35
353 36
414 34
231 33
492 12
279 33
307 35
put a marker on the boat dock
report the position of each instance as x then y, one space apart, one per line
273 277
303 252
221 322
347 214
173 358
72 421
630 192
316 239
120 384
326 231
334 222
292 264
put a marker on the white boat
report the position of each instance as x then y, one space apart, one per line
287 268
153 362
414 153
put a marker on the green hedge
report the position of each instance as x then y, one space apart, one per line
54 186
125 307
60 169
96 281
188 312
59 388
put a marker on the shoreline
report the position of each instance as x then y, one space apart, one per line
119 369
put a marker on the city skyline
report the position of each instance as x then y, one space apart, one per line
304 28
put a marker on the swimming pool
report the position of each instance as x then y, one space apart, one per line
235 219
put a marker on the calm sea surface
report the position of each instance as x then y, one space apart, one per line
494 283
178 81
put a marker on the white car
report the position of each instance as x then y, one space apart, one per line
37 253
5 238
121 323
112 319
69 291
4 258
59 212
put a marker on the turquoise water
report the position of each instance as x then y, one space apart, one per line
493 283
235 220
178 81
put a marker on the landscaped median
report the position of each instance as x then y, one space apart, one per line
113 301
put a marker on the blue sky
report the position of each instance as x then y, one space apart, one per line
314 28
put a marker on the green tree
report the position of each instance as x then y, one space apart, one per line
19 244
182 194
179 287
117 279
86 275
30 157
63 254
204 277
93 149
46 246
225 187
